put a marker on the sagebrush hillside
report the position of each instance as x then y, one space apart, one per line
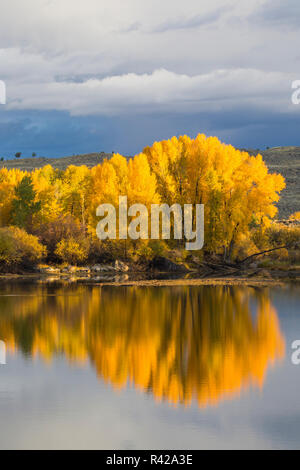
29 164
284 160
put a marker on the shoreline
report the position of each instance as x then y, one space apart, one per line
257 281
196 282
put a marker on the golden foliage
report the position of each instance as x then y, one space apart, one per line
19 248
71 251
295 216
236 188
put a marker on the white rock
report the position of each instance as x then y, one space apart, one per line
120 266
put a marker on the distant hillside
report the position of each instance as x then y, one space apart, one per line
29 164
284 160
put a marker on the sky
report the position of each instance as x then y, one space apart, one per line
118 75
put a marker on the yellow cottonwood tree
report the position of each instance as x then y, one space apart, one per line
9 179
75 192
47 185
235 188
141 182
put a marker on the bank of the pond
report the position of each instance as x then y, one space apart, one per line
137 279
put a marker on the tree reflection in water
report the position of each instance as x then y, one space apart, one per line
180 344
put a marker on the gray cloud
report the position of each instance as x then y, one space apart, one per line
279 13
136 26
95 58
192 22
160 91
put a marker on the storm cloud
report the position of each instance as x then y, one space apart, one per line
89 64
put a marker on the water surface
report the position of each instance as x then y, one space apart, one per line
148 367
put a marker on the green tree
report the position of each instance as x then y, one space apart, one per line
18 154
24 205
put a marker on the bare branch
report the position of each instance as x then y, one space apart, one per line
262 252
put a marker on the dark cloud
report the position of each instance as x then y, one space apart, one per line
52 133
75 87
56 134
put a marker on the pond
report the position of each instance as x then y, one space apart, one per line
201 367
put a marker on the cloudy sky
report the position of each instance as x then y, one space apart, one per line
95 75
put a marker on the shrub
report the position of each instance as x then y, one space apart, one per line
281 255
244 247
280 235
295 216
147 250
158 247
19 249
106 251
71 251
142 253
62 228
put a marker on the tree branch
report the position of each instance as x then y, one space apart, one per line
262 252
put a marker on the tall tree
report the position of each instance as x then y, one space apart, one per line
24 205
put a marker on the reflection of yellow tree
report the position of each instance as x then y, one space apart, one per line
177 343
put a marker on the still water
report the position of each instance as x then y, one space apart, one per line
148 367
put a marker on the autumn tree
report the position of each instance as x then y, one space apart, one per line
238 192
236 188
8 181
74 192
